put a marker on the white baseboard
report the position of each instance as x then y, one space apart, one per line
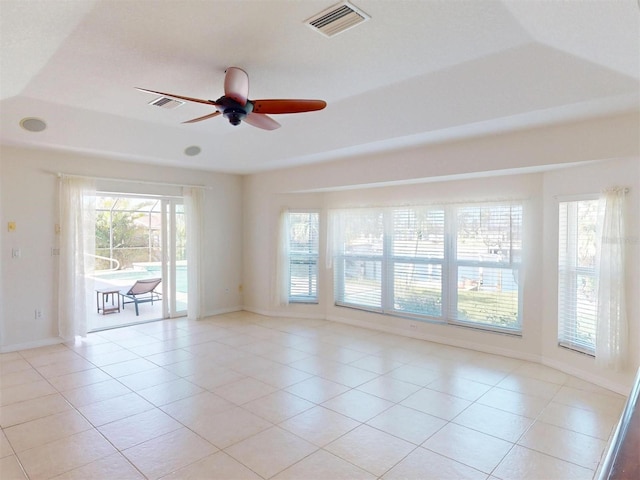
221 311
587 376
590 377
306 316
45 342
561 366
505 352
259 311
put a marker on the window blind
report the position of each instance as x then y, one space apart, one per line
303 256
415 261
457 264
358 262
577 275
487 261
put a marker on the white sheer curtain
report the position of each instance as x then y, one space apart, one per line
77 247
283 265
612 328
333 219
194 211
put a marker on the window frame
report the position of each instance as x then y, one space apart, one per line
342 258
448 265
392 260
571 274
455 263
304 258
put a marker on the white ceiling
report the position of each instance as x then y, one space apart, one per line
419 71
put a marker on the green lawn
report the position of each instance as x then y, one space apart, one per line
491 308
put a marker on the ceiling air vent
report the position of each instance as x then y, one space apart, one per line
337 19
165 102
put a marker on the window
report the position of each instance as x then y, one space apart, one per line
487 260
359 267
416 261
459 264
577 278
303 256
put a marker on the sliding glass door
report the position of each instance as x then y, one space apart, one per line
138 238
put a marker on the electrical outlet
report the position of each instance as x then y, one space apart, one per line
37 314
413 326
15 253
55 251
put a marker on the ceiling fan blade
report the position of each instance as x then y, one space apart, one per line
236 85
205 117
287 106
180 97
261 121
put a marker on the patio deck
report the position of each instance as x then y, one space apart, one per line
127 315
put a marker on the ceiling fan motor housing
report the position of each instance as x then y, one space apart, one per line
234 111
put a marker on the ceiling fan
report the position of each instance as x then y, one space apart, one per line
235 105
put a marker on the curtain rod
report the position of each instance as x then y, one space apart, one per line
578 196
142 182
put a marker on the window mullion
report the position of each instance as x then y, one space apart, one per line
449 290
387 264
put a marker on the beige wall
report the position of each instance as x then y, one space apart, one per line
589 179
535 165
241 219
28 196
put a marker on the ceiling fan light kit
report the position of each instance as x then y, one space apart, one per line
235 105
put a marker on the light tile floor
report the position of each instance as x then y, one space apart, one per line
243 396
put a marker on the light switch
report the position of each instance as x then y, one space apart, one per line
11 226
15 253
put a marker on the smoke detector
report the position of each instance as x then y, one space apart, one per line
337 19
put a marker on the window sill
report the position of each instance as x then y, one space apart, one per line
578 349
436 321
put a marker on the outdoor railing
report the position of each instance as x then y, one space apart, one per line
110 260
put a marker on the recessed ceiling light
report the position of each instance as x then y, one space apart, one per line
33 124
192 151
